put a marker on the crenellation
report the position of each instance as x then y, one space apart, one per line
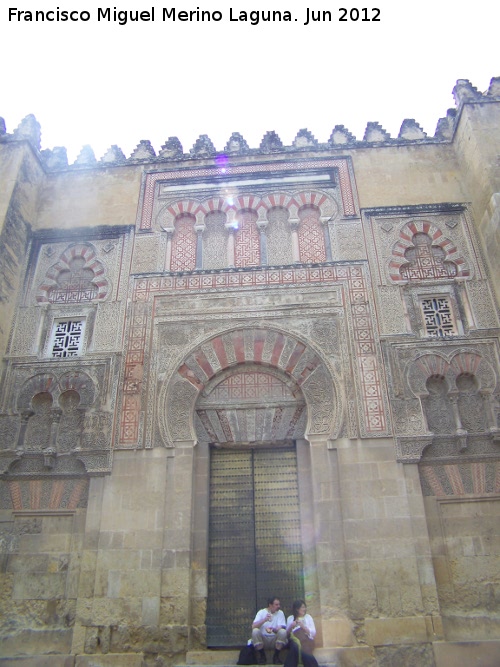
29 129
374 133
203 147
464 91
86 158
340 136
494 88
54 159
114 155
271 143
411 130
143 151
236 144
171 149
304 140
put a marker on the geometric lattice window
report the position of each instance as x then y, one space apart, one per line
247 240
67 338
438 316
184 244
311 236
425 261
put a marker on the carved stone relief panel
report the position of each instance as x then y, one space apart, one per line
348 242
149 253
279 238
25 337
249 404
392 315
482 304
107 332
215 239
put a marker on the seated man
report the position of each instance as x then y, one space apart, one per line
269 631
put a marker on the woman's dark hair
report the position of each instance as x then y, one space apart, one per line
296 606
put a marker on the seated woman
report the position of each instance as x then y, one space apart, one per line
301 631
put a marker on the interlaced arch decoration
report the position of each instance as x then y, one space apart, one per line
456 392
77 276
443 261
450 367
241 351
77 381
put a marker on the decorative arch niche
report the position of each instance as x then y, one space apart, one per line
275 362
78 276
441 258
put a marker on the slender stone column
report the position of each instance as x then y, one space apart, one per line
230 244
168 259
295 240
25 417
326 235
460 432
262 226
199 229
56 414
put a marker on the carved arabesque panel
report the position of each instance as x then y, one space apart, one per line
279 238
215 241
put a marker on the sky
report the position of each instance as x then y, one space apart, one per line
100 83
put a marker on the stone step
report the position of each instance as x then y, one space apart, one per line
356 656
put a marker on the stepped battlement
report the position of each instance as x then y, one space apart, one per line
375 135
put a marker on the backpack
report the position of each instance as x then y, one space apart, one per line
247 655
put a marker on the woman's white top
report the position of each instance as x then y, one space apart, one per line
306 622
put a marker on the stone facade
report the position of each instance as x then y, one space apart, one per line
326 314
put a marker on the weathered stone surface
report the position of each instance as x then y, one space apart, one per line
410 656
464 654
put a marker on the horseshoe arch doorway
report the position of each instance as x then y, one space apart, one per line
250 416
